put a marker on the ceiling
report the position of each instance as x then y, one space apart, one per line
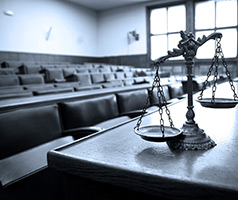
105 4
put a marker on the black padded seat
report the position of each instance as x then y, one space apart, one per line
27 128
176 90
9 80
54 75
129 101
97 78
82 78
89 112
30 79
109 77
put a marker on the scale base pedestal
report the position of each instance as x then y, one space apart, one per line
192 138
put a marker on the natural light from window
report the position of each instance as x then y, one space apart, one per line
165 25
217 16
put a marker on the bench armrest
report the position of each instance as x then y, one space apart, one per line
132 114
19 166
82 131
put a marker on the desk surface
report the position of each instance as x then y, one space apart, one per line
120 157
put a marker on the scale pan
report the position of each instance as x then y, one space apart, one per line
153 133
219 103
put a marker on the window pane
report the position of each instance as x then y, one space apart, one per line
226 13
207 50
158 21
205 15
158 46
229 42
173 41
176 18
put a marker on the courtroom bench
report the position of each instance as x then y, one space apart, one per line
29 132
29 129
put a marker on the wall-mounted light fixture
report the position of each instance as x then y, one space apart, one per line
8 12
47 36
135 35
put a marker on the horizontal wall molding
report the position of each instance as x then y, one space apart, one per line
133 60
19 56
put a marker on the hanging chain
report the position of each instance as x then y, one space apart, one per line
208 76
161 100
214 87
220 52
148 100
215 61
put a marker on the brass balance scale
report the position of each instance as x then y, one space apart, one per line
190 137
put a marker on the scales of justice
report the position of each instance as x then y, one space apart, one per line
190 136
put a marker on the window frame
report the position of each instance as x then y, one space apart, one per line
149 34
190 27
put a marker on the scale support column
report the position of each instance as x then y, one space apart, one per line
192 137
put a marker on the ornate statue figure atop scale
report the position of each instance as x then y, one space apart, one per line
190 137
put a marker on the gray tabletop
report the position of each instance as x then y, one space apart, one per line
120 157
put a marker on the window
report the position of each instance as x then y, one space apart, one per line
217 16
165 26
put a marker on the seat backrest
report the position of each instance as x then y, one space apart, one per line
31 79
9 80
129 101
97 78
69 71
175 90
105 69
6 71
83 79
88 112
53 74
109 76
11 64
155 98
93 70
31 69
26 128
120 75
82 70
129 74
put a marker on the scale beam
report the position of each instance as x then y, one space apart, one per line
190 136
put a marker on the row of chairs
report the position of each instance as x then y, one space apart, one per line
61 76
15 67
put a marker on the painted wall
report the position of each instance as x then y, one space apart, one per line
64 28
48 26
114 26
